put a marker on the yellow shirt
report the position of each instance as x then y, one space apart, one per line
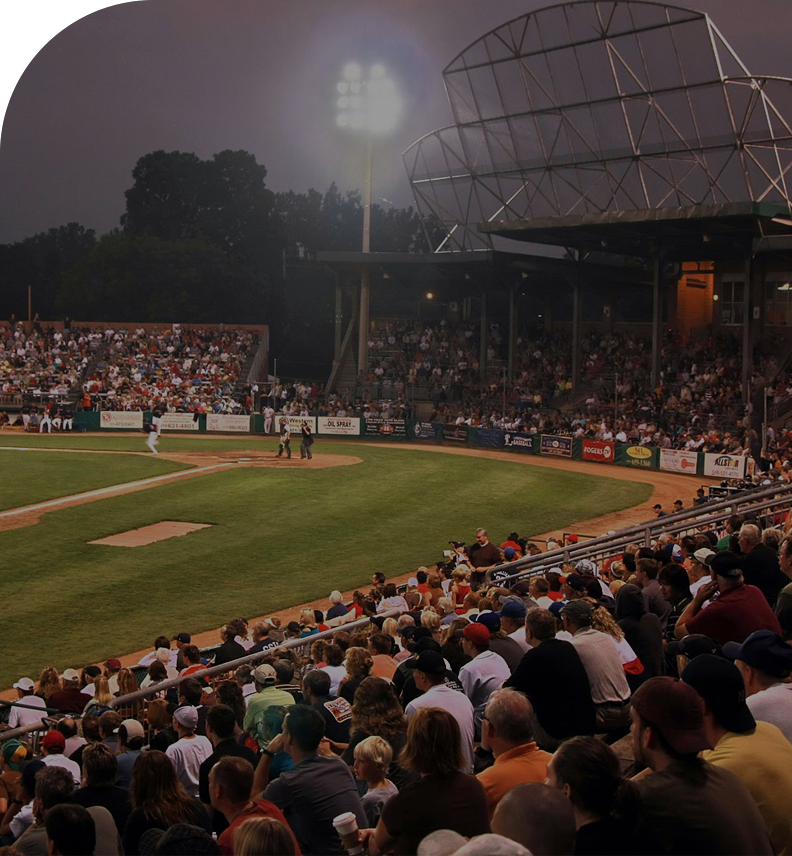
762 760
519 766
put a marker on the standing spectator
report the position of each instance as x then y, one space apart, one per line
609 689
561 708
756 752
98 784
760 563
485 672
687 804
646 571
642 629
482 556
443 798
33 706
507 733
190 750
130 746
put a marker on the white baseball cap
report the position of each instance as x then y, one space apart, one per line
186 716
24 684
703 555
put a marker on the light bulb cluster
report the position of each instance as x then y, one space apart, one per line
372 104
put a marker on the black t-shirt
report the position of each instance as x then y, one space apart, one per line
139 822
224 749
228 651
337 714
553 677
760 568
607 837
115 800
162 739
483 556
263 645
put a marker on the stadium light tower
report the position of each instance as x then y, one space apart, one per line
367 104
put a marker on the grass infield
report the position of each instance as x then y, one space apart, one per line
280 537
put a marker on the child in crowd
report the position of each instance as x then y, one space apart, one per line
372 759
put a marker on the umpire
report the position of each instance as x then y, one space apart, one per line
307 441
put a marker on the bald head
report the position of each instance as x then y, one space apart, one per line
538 817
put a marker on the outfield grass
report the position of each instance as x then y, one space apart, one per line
281 537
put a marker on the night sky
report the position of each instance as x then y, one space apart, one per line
259 75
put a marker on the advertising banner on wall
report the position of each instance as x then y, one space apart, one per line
455 433
555 444
121 419
348 426
179 422
638 456
490 438
598 450
518 442
423 430
227 422
722 466
295 422
376 426
678 461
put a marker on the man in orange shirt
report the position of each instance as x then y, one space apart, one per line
381 649
507 732
230 786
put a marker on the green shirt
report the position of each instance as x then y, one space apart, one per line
264 716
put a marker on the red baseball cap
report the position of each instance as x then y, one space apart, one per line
476 633
676 710
53 740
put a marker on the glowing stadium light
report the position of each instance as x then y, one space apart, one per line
377 70
352 71
342 88
429 295
374 104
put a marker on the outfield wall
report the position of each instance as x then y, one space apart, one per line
712 465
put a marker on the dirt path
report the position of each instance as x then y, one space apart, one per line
666 488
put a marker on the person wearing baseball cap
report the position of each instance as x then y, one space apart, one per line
609 689
429 671
735 613
111 669
512 620
574 587
130 745
190 750
29 709
499 642
257 723
182 640
485 672
69 699
756 752
52 746
687 804
699 571
765 663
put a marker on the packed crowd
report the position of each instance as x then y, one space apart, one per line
438 722
173 368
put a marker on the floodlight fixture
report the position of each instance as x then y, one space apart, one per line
375 99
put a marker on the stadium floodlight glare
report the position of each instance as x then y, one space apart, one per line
373 103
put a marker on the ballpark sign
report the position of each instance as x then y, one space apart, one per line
347 425
294 422
721 466
598 450
678 461
179 422
638 456
555 444
121 419
518 442
228 423
377 426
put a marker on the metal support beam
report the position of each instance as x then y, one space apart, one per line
363 322
339 319
483 338
657 322
576 323
747 338
512 331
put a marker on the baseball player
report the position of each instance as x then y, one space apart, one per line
45 422
156 420
153 437
285 438
268 413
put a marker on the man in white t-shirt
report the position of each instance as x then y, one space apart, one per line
24 715
486 671
699 573
52 747
429 670
190 750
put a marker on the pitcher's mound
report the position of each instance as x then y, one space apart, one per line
150 534
261 458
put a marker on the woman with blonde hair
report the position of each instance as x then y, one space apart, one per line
127 684
319 653
263 836
160 725
460 587
434 592
358 666
603 621
48 683
390 627
101 698
307 623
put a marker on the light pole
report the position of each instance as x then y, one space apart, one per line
372 105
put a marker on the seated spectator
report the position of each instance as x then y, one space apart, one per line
12 754
257 723
646 571
99 702
284 674
191 693
668 733
539 590
434 802
220 731
380 648
158 801
587 770
318 789
159 642
760 563
53 786
338 608
52 746
358 665
391 600
98 784
738 610
538 817
160 723
308 626
192 660
230 786
190 750
609 689
230 649
335 667
499 643
699 571
262 638
108 723
70 830
30 708
130 746
756 752
69 699
783 608
485 672
181 838
373 757
112 667
264 835
19 815
675 588
336 712
507 733
765 663
642 630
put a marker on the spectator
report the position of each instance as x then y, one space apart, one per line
191 692
609 689
190 750
482 556
338 609
12 754
373 757
160 723
561 709
738 610
358 665
668 733
192 660
130 746
699 572
675 588
499 643
760 563
257 723
262 640
230 649
538 817
604 804
71 831
181 838
284 675
783 609
512 620
756 752
765 663
19 815
318 789
52 746
69 699
539 589
32 706
49 682
99 702
111 670
485 672
381 649
159 800
336 712
642 629
99 787
435 752
507 733
335 667
646 571
391 600
574 587
53 786
230 786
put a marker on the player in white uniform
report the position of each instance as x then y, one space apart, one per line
153 437
268 413
45 420
285 438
